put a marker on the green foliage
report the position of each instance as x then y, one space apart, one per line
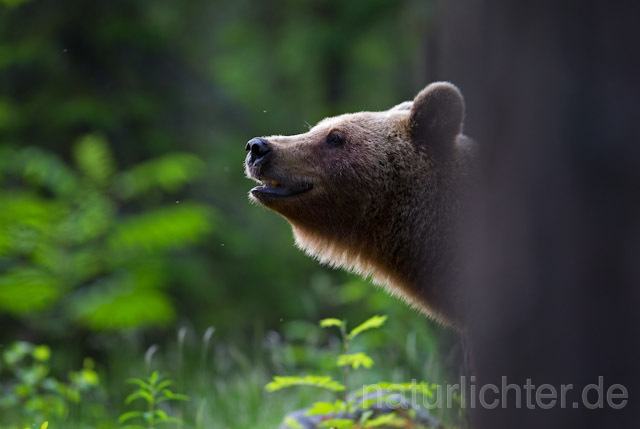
355 360
337 424
153 391
168 173
387 420
30 392
309 380
175 91
172 92
225 383
327 408
68 234
336 414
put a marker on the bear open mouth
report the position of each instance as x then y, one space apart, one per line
276 189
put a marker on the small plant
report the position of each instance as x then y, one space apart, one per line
90 243
29 392
353 411
153 390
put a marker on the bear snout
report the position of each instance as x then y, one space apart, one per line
259 151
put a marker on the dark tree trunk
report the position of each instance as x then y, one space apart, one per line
552 91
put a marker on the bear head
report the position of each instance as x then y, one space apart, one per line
362 190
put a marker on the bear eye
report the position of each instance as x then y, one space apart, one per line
335 139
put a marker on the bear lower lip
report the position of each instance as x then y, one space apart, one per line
280 190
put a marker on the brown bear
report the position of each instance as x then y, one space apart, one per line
377 193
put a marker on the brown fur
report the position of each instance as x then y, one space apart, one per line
384 202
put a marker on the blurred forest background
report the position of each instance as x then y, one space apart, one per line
124 219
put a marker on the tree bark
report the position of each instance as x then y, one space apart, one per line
552 91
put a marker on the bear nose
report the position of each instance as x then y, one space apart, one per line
258 150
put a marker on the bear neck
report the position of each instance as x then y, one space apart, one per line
401 243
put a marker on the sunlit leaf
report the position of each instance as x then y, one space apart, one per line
42 353
337 424
422 388
355 360
323 382
324 408
387 420
325 323
86 378
374 322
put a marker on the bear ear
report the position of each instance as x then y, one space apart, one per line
436 116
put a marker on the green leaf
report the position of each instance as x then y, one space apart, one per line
372 323
163 229
323 382
138 381
42 353
325 408
87 378
25 290
175 396
130 415
139 394
168 173
326 323
164 384
337 424
92 216
94 159
355 360
45 169
422 388
154 378
387 420
114 304
162 415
